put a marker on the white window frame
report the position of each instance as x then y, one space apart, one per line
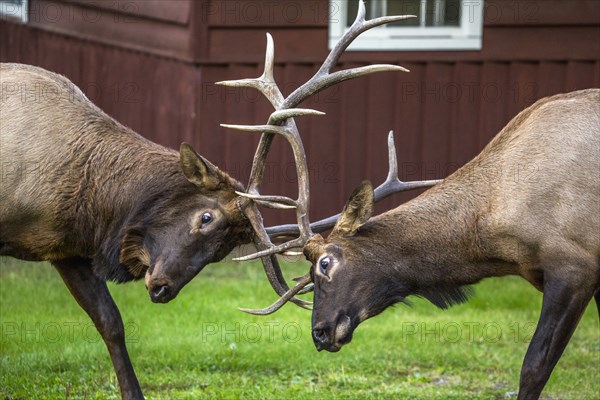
467 36
13 11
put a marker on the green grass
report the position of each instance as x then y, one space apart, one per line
200 346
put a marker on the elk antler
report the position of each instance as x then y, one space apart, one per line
281 122
391 185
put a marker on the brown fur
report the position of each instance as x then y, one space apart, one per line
76 183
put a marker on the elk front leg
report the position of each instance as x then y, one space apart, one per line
93 296
562 308
597 297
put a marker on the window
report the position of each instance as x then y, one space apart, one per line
13 10
440 24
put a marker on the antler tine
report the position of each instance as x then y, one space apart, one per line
307 289
390 186
306 279
274 205
267 74
281 115
275 119
359 26
270 199
323 81
264 83
324 78
272 129
392 159
394 185
295 243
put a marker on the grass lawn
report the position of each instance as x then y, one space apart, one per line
200 346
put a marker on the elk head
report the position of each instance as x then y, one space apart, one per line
184 229
339 274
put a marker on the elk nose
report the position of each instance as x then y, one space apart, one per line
159 293
320 338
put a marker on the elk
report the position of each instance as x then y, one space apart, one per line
488 219
101 203
544 227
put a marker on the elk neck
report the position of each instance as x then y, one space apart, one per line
127 172
434 242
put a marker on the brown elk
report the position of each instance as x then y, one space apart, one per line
487 219
102 203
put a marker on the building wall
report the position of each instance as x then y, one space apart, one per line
153 68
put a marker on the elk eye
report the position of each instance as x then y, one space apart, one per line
206 218
324 264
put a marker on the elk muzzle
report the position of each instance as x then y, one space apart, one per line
332 337
160 293
160 288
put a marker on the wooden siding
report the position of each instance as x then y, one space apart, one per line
166 28
443 112
211 31
532 30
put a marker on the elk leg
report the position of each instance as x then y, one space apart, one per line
597 298
562 307
93 296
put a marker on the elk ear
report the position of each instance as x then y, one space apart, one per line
199 170
356 211
133 253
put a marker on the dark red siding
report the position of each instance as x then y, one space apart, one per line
153 68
